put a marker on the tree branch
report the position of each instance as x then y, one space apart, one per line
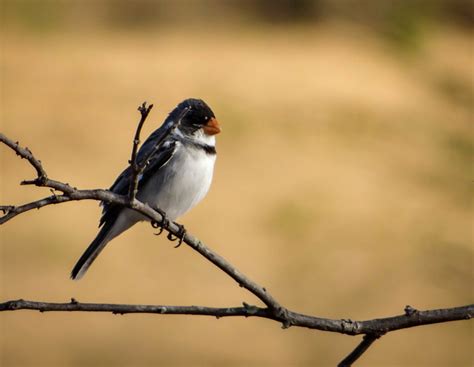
366 342
138 167
72 194
144 111
25 153
372 329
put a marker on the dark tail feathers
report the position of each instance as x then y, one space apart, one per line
92 252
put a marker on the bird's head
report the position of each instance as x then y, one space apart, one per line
195 116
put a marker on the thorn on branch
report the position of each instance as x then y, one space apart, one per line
74 301
410 311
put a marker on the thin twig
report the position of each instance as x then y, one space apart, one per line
75 306
273 310
135 168
25 153
366 342
70 193
146 159
138 167
365 327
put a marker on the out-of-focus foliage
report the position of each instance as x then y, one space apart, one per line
402 22
155 13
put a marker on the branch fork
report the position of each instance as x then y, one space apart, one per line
371 329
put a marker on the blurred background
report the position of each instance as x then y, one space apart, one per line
343 182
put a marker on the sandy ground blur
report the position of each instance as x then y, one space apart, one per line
343 185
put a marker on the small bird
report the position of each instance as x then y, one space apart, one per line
179 158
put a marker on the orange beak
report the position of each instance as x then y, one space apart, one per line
212 127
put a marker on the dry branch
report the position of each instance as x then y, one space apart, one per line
136 169
371 329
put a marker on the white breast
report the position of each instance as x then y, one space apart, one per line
182 182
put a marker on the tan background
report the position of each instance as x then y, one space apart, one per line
343 182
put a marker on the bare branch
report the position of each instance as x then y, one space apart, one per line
144 111
371 329
75 306
144 162
366 342
70 193
25 153
138 167
11 211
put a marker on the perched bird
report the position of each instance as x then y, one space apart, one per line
179 158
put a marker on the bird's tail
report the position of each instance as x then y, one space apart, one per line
94 249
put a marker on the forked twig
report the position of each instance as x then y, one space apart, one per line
132 191
371 329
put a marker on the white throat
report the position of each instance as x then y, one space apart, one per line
201 137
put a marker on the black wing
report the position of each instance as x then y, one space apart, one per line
156 151
157 156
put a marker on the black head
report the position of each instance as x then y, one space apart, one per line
195 114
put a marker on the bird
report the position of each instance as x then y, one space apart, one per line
178 160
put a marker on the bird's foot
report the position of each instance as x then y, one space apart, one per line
180 236
161 225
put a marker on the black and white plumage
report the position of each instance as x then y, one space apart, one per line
181 156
